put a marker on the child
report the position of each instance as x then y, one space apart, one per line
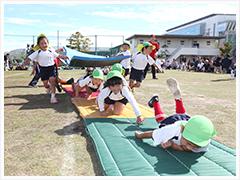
118 95
179 131
45 58
125 51
105 70
140 60
92 83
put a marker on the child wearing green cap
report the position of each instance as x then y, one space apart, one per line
117 94
140 60
92 83
125 51
179 131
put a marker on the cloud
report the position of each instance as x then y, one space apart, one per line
61 25
44 14
21 21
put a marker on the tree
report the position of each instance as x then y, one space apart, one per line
226 49
164 51
79 43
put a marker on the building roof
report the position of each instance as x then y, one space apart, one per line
177 36
205 17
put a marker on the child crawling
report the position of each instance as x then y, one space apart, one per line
116 94
179 131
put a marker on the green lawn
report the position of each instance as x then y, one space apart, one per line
43 139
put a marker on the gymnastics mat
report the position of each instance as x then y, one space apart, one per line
120 153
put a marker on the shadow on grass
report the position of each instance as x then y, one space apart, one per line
217 80
42 101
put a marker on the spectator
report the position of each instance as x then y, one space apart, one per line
212 67
174 64
6 62
233 68
182 66
226 62
105 70
200 66
196 64
190 65
184 59
168 64
218 63
206 66
107 56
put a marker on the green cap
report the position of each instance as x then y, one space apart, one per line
117 67
140 46
114 73
199 130
125 42
98 74
164 56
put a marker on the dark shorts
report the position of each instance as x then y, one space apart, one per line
126 72
47 72
56 70
93 90
110 101
136 74
172 119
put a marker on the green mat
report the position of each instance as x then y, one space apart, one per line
120 153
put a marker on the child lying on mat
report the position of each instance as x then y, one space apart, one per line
92 83
116 94
179 131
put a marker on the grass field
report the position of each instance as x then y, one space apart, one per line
43 139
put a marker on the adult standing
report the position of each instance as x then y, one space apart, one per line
6 62
226 62
218 64
153 55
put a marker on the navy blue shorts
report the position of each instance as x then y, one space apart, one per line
136 75
172 119
110 101
47 72
93 90
126 72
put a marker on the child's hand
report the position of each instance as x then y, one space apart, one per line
104 113
167 145
32 73
140 120
66 57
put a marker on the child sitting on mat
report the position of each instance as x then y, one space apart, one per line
117 94
140 60
92 83
179 131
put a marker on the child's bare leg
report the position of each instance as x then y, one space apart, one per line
89 91
78 89
118 108
137 84
52 81
131 82
45 83
143 135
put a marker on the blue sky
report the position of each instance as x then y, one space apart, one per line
99 19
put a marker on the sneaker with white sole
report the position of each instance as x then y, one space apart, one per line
53 100
174 87
48 90
154 98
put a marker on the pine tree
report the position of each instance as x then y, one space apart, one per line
226 49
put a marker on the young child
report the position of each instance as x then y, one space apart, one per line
105 70
125 51
118 95
140 60
45 58
92 83
179 131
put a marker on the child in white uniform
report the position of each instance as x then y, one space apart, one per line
45 58
125 62
140 60
117 94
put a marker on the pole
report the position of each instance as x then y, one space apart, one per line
33 40
58 39
95 44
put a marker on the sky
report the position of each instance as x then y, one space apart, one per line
24 22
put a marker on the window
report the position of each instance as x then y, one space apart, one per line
140 41
208 43
168 42
182 43
131 42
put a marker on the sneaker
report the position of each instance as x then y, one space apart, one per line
155 78
70 81
32 86
48 91
133 89
53 100
154 98
174 87
59 88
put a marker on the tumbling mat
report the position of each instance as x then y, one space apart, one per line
120 153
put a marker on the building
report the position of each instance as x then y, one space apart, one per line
193 39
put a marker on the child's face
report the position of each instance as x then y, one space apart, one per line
116 88
43 44
187 145
96 81
125 47
148 50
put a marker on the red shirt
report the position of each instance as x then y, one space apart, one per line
152 54
56 61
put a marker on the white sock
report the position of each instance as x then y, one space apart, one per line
49 86
52 95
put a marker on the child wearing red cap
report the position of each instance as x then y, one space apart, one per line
179 131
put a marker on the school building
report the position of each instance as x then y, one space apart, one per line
192 39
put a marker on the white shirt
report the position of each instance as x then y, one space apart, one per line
88 82
106 92
200 65
44 58
125 62
140 60
172 133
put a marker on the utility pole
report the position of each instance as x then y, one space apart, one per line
58 39
95 44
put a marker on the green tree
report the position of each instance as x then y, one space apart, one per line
164 50
79 43
226 49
